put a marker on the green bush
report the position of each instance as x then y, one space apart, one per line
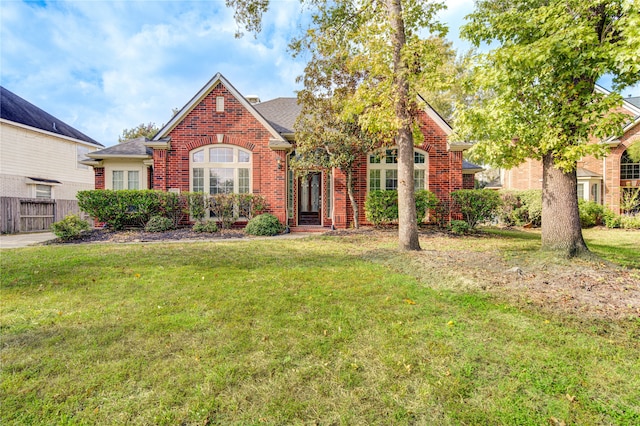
131 208
197 203
459 227
477 205
209 226
250 205
159 224
223 207
610 219
630 222
264 224
70 227
382 206
591 213
425 201
521 207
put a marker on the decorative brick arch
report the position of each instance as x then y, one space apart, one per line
213 140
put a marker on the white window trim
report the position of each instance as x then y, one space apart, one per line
125 179
207 166
383 166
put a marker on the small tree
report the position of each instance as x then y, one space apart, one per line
148 131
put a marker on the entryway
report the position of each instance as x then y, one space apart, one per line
309 199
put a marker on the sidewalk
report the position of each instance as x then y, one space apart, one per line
8 241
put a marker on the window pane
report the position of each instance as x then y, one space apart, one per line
391 179
118 179
391 156
220 181
134 180
43 191
221 155
418 158
243 181
581 191
374 180
290 194
198 157
418 176
243 157
198 180
374 159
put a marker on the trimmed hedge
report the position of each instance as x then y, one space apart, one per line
382 206
265 225
70 227
477 205
134 208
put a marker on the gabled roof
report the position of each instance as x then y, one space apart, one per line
133 148
469 168
281 113
635 101
630 104
17 110
277 139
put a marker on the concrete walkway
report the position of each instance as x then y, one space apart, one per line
8 241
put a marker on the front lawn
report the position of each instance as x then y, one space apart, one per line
321 330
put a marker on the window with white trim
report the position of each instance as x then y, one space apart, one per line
220 169
383 170
43 191
629 169
125 179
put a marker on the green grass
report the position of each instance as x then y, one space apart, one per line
292 332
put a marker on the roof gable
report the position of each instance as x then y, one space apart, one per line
202 93
134 148
17 110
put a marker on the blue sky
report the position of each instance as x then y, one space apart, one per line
102 66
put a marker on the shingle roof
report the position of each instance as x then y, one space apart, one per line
14 108
281 113
467 165
132 148
635 101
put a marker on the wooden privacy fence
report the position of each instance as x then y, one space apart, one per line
33 214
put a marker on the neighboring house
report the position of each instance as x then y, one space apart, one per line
39 165
221 141
605 180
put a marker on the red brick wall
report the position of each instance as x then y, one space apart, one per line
468 181
239 127
99 177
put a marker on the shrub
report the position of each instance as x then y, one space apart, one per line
70 227
610 219
477 205
197 205
425 201
159 224
382 206
209 226
591 213
264 224
223 208
521 207
250 205
630 222
459 227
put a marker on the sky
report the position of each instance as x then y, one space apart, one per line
104 66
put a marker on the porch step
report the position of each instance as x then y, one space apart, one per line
310 228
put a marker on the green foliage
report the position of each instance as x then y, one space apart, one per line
630 200
591 213
159 224
521 208
208 226
634 152
610 219
630 222
382 206
425 201
459 227
250 205
477 205
148 131
265 224
70 227
197 203
131 208
223 208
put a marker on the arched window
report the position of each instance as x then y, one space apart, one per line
629 169
383 170
220 169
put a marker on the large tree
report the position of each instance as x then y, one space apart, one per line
536 93
380 43
148 130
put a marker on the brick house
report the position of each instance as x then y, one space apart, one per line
600 180
221 141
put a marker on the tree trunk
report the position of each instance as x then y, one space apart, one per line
561 230
354 203
407 221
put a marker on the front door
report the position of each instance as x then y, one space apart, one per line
309 203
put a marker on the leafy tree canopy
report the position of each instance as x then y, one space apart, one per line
148 130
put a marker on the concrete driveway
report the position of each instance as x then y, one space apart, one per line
8 241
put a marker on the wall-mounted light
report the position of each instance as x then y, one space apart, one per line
279 161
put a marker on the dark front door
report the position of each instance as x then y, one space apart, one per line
309 205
